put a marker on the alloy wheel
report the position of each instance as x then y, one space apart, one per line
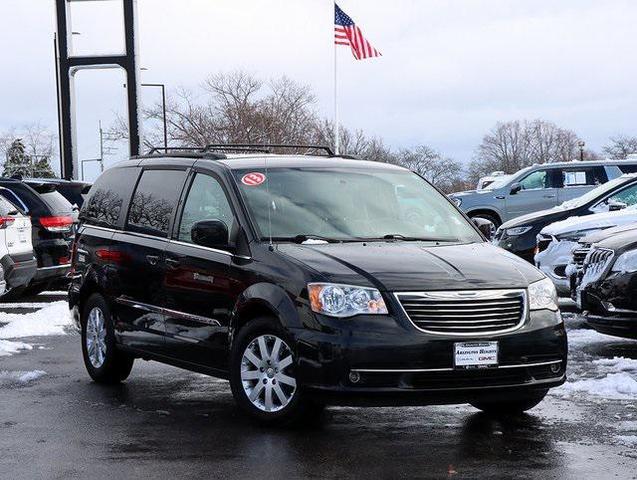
96 337
266 373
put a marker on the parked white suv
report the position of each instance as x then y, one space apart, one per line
17 261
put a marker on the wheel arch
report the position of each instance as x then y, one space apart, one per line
488 211
263 299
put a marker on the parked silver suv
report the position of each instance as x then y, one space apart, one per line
538 187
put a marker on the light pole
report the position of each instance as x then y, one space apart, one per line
581 144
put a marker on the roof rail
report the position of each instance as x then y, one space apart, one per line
264 147
156 150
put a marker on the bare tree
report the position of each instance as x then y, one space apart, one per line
513 145
620 146
441 171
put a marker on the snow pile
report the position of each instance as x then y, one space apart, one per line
8 348
19 377
615 386
617 364
581 337
628 440
51 320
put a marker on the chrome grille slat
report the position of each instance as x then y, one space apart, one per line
473 322
465 313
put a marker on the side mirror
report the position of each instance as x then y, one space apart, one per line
615 206
515 188
210 233
486 227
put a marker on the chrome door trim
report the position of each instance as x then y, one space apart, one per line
167 311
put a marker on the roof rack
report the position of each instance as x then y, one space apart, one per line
265 147
213 148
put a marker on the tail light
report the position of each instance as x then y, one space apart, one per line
57 224
6 222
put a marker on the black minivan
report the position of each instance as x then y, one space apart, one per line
304 281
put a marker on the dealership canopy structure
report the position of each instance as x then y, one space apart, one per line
67 65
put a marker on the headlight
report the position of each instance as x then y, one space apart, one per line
626 262
513 232
575 236
542 295
345 300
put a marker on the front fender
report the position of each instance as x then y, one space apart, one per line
267 297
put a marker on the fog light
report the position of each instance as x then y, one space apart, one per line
354 377
556 367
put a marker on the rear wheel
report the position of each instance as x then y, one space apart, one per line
511 407
262 375
103 361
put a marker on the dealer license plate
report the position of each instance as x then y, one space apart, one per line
475 354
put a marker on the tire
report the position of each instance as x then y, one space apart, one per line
488 216
106 365
34 289
513 407
251 374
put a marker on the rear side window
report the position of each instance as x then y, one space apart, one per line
106 198
628 168
154 201
14 199
6 207
57 203
21 194
584 176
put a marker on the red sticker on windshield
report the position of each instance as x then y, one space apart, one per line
253 179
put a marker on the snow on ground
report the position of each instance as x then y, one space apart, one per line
19 377
51 320
8 348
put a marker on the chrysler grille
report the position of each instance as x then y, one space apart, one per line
467 313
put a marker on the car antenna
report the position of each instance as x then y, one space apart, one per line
267 189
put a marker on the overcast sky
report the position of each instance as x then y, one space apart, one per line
450 69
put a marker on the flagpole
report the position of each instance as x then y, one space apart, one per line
337 140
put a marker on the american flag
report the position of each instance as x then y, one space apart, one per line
347 33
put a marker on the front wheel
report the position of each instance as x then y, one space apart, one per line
262 375
104 362
511 407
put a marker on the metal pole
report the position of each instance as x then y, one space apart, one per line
101 150
337 140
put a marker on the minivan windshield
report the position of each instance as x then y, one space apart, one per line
346 204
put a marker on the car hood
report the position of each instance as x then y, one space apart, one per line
414 266
620 242
546 216
602 235
591 222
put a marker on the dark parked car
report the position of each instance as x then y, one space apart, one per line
606 289
73 190
304 281
52 228
520 234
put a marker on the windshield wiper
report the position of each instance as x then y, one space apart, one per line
398 236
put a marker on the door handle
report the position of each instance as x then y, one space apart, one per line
152 259
171 262
549 196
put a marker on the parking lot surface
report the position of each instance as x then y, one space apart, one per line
167 423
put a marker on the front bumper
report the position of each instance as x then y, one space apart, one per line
381 362
521 245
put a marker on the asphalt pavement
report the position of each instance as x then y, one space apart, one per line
165 423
